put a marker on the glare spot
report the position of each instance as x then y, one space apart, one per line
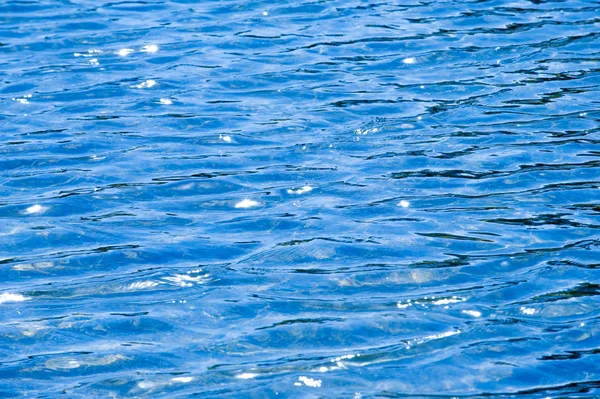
7 297
165 101
404 204
303 190
403 305
186 280
94 61
23 100
35 209
151 48
225 138
247 203
447 301
246 376
90 53
409 60
364 132
265 13
183 379
309 382
527 311
147 84
473 313
582 325
124 52
323 369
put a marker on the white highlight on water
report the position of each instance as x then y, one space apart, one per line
185 380
247 203
124 52
145 384
364 132
185 280
151 48
309 382
246 376
8 297
527 311
403 305
472 313
35 209
165 101
147 84
409 60
226 138
447 301
90 53
404 204
23 100
303 190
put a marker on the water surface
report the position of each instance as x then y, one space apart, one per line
299 199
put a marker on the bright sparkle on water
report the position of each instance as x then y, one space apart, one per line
8 297
246 203
302 190
404 204
124 52
35 209
151 48
146 84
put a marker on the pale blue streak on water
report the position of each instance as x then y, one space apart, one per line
299 199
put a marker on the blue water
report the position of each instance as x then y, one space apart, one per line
299 199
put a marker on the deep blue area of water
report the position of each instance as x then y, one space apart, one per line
299 199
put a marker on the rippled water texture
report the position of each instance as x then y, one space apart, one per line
326 199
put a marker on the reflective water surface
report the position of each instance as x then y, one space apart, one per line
299 199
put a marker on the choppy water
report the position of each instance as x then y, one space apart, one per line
326 199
